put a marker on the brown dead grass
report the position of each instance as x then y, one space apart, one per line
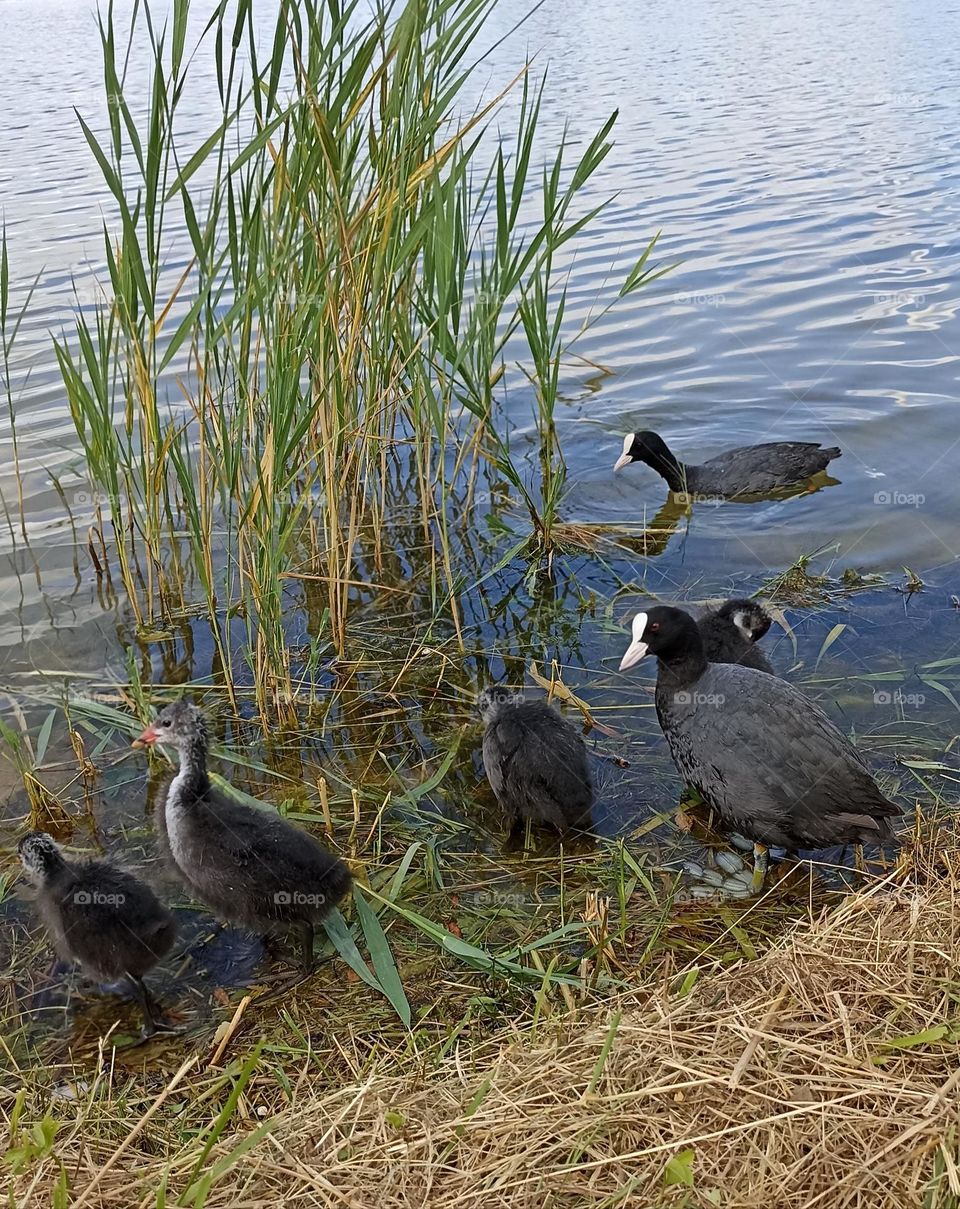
794 1078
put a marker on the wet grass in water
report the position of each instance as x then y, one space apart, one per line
387 768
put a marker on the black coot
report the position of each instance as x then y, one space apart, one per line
747 470
535 761
731 631
250 866
766 759
100 916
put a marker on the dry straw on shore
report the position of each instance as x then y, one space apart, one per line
825 1073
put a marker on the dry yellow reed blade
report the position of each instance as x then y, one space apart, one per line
557 689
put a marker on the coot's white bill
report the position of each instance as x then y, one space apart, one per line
638 648
624 459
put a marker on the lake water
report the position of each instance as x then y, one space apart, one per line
801 163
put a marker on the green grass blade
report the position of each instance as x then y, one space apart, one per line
382 958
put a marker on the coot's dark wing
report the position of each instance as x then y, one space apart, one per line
254 863
104 893
755 658
770 761
500 742
537 765
722 641
751 469
112 922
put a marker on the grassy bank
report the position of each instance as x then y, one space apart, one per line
822 1072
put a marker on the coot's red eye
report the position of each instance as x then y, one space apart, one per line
655 627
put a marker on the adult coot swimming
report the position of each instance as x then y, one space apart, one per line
766 759
535 761
252 867
731 631
747 470
100 916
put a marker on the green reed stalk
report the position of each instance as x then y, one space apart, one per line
361 273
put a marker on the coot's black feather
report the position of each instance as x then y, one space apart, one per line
731 631
249 865
746 470
535 761
766 759
101 916
96 913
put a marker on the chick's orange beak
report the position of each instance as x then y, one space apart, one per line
148 737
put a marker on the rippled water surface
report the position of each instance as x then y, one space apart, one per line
801 163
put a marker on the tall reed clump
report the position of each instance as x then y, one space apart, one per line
334 342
